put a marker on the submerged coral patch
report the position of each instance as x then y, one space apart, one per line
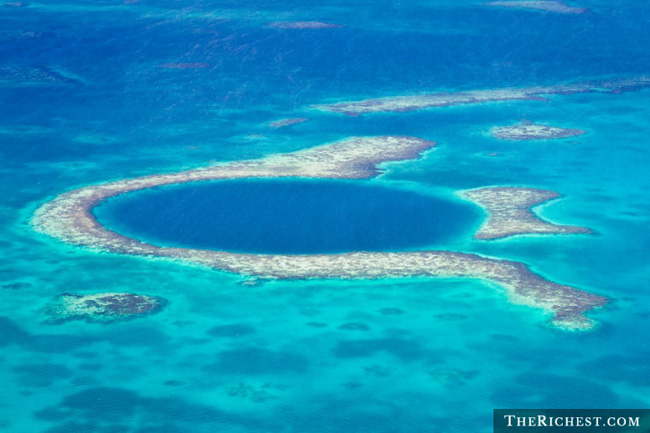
391 311
303 25
283 123
354 326
17 285
532 131
103 307
543 5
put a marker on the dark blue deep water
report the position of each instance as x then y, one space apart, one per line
279 216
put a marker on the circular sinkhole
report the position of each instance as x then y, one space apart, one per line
297 216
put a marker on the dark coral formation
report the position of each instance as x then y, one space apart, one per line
453 376
352 326
450 317
256 394
377 371
18 285
317 324
391 311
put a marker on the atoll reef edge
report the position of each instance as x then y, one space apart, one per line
69 218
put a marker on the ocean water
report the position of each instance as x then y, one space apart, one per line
289 217
84 100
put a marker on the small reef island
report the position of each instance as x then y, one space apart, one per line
102 307
510 212
282 123
69 218
303 25
531 131
443 99
547 6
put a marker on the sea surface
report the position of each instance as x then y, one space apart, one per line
289 217
93 91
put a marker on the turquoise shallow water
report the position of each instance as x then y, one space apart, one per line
434 355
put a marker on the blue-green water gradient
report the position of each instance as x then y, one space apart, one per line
85 98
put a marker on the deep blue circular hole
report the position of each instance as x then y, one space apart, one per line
288 216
